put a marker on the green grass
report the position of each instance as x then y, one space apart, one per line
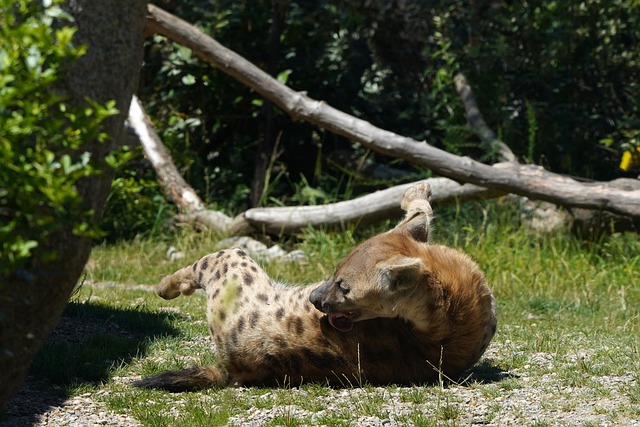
569 318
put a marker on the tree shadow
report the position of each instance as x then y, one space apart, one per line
87 343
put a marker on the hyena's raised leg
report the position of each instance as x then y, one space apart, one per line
416 204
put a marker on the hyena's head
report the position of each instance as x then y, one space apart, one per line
381 271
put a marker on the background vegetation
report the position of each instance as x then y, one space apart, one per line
558 81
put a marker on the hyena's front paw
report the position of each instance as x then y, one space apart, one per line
180 282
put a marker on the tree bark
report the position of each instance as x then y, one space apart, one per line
520 179
32 302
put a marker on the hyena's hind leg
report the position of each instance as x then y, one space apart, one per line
417 205
183 281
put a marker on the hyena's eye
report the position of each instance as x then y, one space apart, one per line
341 285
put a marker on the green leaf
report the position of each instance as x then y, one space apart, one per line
42 139
22 249
64 35
65 161
188 80
283 76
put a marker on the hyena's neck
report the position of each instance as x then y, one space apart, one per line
418 309
294 295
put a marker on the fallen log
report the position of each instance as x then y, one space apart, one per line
360 211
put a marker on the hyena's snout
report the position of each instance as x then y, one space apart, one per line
319 296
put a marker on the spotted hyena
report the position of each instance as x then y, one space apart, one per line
397 310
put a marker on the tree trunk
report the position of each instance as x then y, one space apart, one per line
32 302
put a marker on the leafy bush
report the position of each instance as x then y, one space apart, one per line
42 137
569 68
135 206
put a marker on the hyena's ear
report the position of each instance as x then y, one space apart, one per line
399 273
416 202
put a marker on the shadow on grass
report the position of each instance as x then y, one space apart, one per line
89 341
487 372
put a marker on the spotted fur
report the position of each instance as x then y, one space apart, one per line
397 310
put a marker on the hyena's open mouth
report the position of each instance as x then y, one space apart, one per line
341 321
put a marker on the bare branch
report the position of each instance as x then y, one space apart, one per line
173 185
281 220
361 211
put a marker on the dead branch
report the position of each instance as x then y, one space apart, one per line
281 220
360 211
173 185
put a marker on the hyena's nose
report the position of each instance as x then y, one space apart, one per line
319 294
316 299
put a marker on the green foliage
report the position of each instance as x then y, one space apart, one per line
533 128
135 205
575 64
42 154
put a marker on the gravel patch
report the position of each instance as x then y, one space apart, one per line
36 407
